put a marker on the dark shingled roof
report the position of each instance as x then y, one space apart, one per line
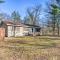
19 24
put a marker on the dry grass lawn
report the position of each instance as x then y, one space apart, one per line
30 48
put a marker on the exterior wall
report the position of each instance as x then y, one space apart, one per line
10 31
5 27
2 33
30 30
21 31
27 30
18 31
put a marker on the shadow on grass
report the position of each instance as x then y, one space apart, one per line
24 43
35 42
42 45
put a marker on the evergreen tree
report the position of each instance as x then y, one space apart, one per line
15 16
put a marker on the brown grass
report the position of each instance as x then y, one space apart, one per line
30 48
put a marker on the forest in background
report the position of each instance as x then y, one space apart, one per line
49 23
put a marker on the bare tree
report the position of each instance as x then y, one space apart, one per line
33 15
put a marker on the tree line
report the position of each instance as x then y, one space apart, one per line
52 16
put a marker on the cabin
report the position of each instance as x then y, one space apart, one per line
16 29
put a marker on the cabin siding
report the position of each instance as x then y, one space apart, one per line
18 29
10 31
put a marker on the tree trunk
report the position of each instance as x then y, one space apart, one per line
58 30
58 27
53 30
14 31
54 20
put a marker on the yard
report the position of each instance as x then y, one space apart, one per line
30 48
